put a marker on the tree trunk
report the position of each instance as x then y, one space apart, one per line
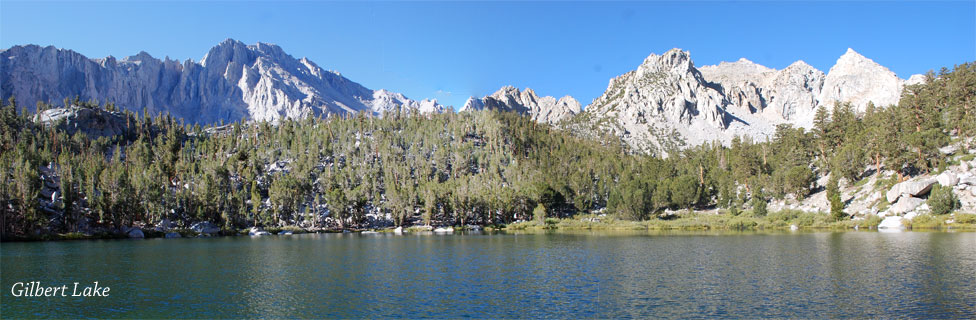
877 162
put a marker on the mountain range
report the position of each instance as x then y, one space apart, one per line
666 104
233 81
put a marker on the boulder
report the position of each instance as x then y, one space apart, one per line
949 150
255 231
135 233
969 180
398 230
915 188
947 179
905 204
892 223
285 233
924 207
911 215
444 229
170 235
165 225
205 227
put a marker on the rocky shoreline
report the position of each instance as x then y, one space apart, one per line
688 221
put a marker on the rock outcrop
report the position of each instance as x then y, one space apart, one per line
905 204
947 179
233 81
93 122
892 223
205 227
914 188
541 109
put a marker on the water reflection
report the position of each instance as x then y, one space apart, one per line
495 275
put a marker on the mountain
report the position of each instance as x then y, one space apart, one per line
669 104
233 81
777 96
860 80
663 105
540 109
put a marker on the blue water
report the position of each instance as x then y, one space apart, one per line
582 275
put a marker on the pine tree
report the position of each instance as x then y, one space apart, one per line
833 196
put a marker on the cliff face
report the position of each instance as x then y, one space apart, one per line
233 81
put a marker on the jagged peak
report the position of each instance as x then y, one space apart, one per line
851 56
671 57
507 90
915 79
473 103
230 42
141 56
741 66
226 49
799 64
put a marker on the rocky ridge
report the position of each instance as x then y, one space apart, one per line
668 104
541 109
233 81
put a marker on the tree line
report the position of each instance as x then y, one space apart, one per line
482 167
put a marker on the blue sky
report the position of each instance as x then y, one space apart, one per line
453 50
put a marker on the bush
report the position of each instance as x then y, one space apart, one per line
539 213
965 218
740 223
759 204
926 221
942 200
551 223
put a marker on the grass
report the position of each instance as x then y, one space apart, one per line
967 158
779 220
956 221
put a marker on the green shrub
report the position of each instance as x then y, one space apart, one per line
965 218
539 213
812 219
784 215
741 223
926 221
551 223
759 204
943 200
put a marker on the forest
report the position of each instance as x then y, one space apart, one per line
483 167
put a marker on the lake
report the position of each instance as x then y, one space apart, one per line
561 275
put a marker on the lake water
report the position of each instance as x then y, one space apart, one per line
579 275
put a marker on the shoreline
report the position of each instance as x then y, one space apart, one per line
697 221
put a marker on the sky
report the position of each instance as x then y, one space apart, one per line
453 50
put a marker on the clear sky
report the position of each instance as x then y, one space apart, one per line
453 50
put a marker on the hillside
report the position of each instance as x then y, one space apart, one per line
92 169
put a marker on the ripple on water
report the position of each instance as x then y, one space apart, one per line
804 275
